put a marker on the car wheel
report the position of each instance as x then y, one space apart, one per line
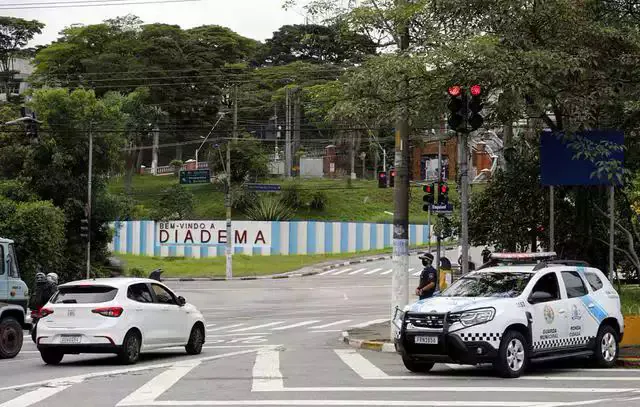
416 366
607 347
130 352
51 356
196 340
11 337
34 336
512 355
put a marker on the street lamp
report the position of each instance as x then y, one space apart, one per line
220 116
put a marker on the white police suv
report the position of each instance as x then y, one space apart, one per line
516 309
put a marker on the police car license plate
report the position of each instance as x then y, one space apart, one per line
70 339
426 340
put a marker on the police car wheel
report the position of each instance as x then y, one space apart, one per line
512 355
416 366
607 347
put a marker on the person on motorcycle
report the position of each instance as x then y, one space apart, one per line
53 280
39 297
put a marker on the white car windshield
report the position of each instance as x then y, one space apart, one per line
489 284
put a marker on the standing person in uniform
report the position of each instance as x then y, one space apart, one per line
428 277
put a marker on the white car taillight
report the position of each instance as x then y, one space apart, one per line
113 312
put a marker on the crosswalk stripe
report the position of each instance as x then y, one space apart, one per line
417 273
251 328
210 325
344 321
372 271
359 364
33 397
341 271
357 271
411 269
296 325
225 327
387 272
327 272
366 324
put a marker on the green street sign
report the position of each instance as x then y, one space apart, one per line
195 176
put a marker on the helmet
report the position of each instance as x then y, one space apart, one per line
52 277
40 277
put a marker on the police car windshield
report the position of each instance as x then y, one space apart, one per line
491 284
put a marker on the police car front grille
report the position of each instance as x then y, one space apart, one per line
428 321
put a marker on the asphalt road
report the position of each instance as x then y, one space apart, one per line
276 343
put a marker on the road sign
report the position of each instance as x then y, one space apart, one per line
445 209
195 176
264 187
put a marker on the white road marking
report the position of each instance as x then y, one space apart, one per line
225 327
359 364
35 396
327 272
450 389
357 271
411 269
258 326
155 387
523 378
266 371
416 274
366 403
366 324
341 271
239 334
327 330
344 321
303 323
386 272
210 325
372 271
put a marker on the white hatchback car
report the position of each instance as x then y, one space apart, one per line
517 309
124 316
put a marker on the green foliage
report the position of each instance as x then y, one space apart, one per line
241 198
136 272
38 228
249 160
292 196
269 208
175 202
319 200
17 191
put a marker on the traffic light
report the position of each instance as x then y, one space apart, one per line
457 108
392 178
429 196
443 194
475 107
84 229
382 179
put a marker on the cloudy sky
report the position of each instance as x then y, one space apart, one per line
252 18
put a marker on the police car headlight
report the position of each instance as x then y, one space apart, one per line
398 318
477 316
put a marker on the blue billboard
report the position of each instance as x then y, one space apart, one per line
562 164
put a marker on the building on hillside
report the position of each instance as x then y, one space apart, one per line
19 84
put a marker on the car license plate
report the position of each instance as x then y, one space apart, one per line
70 339
426 340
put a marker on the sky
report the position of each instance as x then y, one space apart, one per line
256 19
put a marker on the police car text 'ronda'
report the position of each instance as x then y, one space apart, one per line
516 309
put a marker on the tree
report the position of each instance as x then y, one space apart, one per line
248 160
175 202
15 33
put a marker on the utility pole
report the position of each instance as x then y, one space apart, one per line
464 201
235 112
287 135
438 236
156 143
400 281
88 210
296 127
229 246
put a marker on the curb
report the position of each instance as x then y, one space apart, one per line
631 363
377 346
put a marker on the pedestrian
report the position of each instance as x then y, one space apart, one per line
428 277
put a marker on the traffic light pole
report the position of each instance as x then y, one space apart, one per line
438 236
89 176
464 202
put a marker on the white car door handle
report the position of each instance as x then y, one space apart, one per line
138 309
562 311
591 305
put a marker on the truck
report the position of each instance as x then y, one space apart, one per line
14 299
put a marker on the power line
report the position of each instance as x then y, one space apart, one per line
87 3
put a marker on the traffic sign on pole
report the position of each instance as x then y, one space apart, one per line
264 187
443 209
195 177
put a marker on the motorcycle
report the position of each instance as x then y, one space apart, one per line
35 316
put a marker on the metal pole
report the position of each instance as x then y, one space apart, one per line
156 143
400 280
235 112
612 214
429 227
287 136
229 247
89 176
552 217
384 166
438 236
464 207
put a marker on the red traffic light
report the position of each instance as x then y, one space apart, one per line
382 175
444 188
455 90
428 189
393 173
476 90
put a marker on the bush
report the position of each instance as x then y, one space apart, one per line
177 165
176 202
269 208
318 200
241 198
292 197
136 272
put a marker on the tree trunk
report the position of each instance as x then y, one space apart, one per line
139 159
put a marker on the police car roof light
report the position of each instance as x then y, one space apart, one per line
523 256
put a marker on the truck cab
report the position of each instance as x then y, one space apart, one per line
14 297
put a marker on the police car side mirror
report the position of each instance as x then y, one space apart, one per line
540 296
181 301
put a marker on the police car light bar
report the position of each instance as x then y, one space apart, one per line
523 256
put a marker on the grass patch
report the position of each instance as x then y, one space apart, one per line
630 299
243 265
360 200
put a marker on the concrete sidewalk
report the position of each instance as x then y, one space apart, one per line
377 338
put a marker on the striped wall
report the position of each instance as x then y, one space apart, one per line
287 238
